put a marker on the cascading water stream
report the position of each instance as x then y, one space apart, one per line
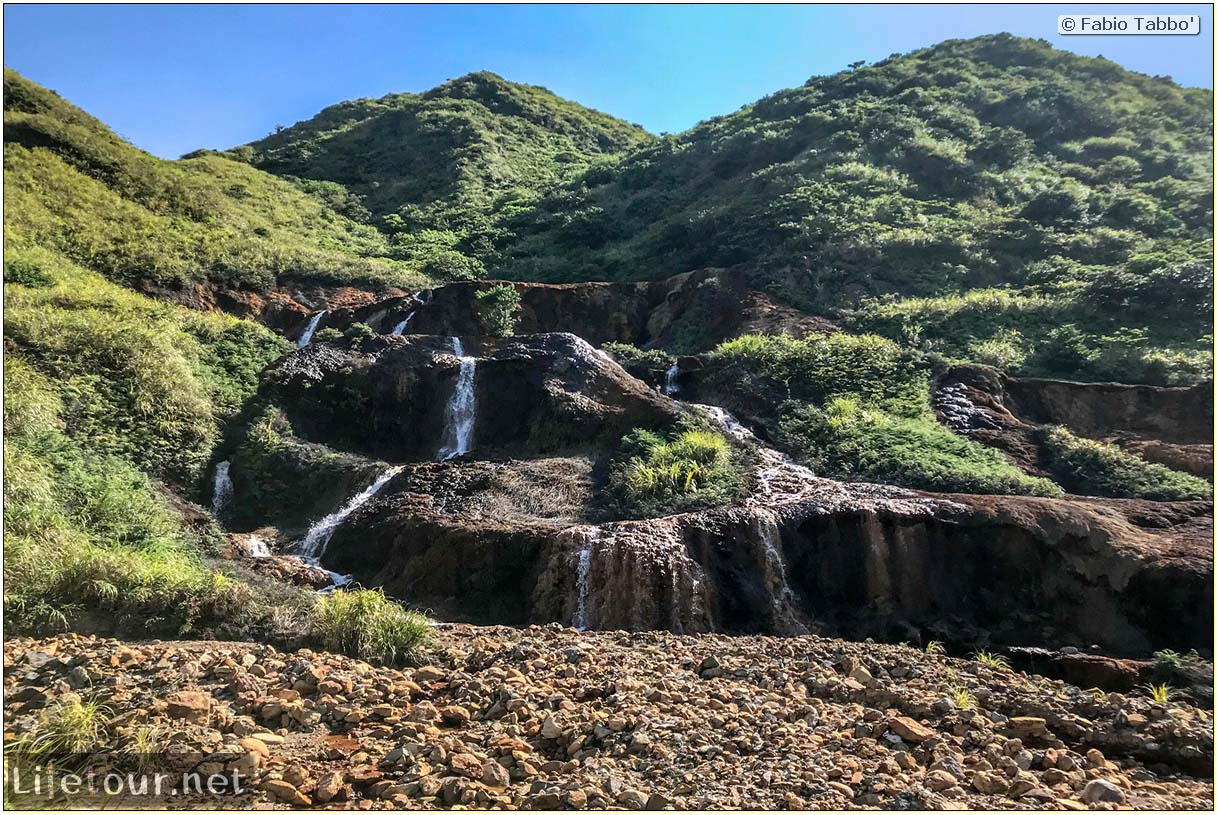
222 491
459 417
671 388
583 567
310 329
313 546
258 547
420 299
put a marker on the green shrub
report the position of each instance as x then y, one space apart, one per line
695 467
629 355
140 379
822 366
368 625
848 440
498 309
328 335
1095 468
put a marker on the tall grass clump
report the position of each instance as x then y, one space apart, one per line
691 467
368 625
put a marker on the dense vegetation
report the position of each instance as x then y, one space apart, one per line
1094 468
1081 192
437 170
858 407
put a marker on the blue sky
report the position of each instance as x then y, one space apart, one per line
175 78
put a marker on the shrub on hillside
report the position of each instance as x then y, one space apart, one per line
849 440
1095 468
499 309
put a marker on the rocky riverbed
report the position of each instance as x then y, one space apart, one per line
552 718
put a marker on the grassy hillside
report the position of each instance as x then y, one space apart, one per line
432 166
75 188
1078 190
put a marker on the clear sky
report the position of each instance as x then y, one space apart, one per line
175 78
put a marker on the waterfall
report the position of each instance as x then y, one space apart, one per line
420 299
459 418
318 537
670 380
222 491
307 336
258 547
774 568
583 566
400 328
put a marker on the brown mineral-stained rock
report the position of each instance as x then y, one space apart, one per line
910 730
193 706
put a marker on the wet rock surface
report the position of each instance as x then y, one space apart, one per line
551 718
387 398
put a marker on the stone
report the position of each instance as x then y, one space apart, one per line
285 792
465 764
632 799
495 775
328 786
550 728
1024 727
1102 791
189 705
989 783
910 730
454 715
939 780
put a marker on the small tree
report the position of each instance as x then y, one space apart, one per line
498 309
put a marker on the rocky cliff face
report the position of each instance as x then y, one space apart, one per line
511 532
1172 426
858 560
689 312
388 398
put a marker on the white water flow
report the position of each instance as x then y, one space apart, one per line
307 336
780 478
774 568
400 328
670 380
459 418
420 299
222 491
258 547
583 567
318 537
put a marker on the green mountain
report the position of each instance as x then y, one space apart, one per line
1039 192
433 165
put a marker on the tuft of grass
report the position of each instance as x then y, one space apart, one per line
147 742
1160 693
995 661
367 624
1167 663
935 647
963 697
1095 468
70 726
